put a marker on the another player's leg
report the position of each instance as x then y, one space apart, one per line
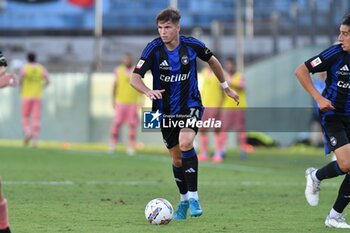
117 122
133 121
26 109
335 218
190 168
204 141
220 141
339 143
181 211
4 222
36 121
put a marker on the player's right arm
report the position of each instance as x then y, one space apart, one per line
137 82
317 64
144 64
303 75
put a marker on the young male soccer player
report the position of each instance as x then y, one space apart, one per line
334 105
126 102
172 60
33 78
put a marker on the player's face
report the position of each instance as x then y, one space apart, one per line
230 67
127 61
168 31
344 37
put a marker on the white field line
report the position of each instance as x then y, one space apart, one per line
159 158
148 183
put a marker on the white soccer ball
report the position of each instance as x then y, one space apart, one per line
159 211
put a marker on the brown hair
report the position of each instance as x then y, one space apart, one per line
169 14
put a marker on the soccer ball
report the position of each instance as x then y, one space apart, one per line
159 211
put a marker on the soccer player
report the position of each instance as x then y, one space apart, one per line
234 117
212 97
172 60
33 78
334 105
4 221
126 102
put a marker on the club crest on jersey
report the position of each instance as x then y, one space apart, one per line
185 60
333 141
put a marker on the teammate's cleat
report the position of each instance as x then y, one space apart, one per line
336 222
203 157
181 212
27 140
217 158
195 208
312 189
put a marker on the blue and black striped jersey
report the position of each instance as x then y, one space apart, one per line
176 72
335 61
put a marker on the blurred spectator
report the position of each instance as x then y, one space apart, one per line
126 102
234 116
212 97
33 79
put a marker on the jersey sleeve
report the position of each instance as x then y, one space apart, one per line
202 51
3 61
324 60
146 60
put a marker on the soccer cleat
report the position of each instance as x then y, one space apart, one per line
312 189
336 222
217 158
203 157
195 208
26 140
181 212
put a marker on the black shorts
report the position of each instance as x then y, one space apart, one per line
336 131
174 124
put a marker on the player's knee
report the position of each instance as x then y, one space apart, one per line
185 145
344 166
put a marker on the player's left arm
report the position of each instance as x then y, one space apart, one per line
220 75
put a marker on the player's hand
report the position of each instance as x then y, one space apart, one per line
155 94
324 104
8 80
232 94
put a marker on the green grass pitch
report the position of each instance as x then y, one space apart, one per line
54 190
